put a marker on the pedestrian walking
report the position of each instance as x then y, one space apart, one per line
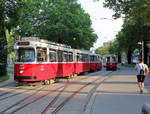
142 72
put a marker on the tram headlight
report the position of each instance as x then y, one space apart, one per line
21 71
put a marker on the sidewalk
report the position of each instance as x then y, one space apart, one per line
119 95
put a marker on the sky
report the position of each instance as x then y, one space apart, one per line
102 22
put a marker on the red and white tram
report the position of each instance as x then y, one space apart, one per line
110 62
41 60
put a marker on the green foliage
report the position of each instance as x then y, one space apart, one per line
131 9
9 11
131 34
104 50
111 48
4 78
114 47
59 21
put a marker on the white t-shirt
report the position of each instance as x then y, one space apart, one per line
139 67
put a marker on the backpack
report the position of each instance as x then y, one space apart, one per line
142 71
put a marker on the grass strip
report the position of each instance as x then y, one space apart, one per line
4 78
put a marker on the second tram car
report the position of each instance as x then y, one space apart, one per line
110 62
41 60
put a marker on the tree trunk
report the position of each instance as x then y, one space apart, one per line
129 56
119 58
3 42
3 54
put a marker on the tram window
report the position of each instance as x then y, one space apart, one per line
113 59
108 59
94 58
60 55
65 57
84 58
99 58
79 57
41 54
25 55
52 55
70 57
91 58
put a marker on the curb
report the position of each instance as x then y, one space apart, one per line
146 108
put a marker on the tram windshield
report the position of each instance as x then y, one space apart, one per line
25 55
108 59
113 59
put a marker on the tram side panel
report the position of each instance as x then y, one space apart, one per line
46 71
78 68
92 66
67 69
114 66
35 72
111 66
86 67
99 66
38 72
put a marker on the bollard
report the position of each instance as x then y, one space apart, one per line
146 108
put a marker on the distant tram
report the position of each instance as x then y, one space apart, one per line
41 60
110 62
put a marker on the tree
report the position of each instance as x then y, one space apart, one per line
130 35
104 50
46 19
114 49
131 9
9 11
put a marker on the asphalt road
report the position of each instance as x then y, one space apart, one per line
102 92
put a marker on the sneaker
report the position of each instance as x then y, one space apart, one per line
141 91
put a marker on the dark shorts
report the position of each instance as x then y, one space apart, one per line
140 78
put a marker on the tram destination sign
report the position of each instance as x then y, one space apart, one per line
23 43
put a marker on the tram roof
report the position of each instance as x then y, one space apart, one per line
38 42
109 55
42 42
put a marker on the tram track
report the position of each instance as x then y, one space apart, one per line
15 92
34 100
63 87
62 104
25 98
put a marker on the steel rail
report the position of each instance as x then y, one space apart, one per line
61 105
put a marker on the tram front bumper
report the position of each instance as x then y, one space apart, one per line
20 78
